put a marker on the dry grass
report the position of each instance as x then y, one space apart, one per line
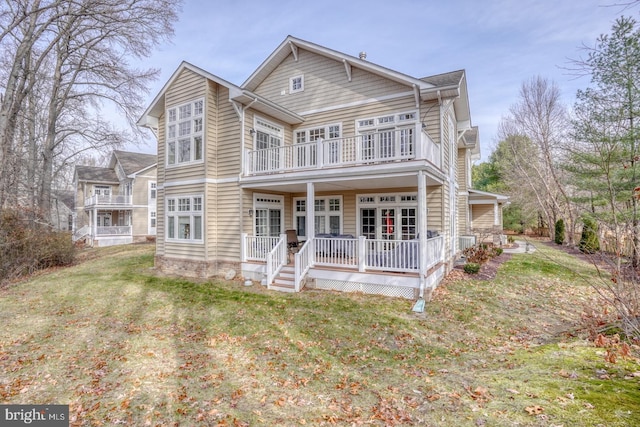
122 345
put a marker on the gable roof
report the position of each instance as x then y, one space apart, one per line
156 108
292 44
96 174
132 162
447 85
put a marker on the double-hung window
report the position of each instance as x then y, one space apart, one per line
184 218
185 125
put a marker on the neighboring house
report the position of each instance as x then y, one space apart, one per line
62 203
378 156
116 204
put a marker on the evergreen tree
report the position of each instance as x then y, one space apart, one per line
559 233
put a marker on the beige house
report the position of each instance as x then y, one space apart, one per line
116 205
361 166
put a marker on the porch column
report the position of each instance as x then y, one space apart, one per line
496 214
422 228
311 211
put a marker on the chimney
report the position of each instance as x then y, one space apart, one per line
363 55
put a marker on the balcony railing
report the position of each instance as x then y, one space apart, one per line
108 200
367 149
116 230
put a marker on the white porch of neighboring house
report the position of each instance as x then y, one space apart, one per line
109 219
391 160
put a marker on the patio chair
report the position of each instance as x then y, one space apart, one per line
292 241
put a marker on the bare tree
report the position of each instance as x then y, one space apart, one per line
541 118
73 58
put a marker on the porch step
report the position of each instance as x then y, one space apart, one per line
285 280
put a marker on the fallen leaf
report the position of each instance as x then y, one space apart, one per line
534 410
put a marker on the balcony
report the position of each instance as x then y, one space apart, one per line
361 150
110 200
115 230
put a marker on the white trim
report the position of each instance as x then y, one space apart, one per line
356 103
397 204
192 135
326 213
276 202
191 213
291 83
198 181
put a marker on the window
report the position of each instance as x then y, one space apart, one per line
268 212
388 137
153 191
184 218
296 84
327 215
185 133
101 190
153 219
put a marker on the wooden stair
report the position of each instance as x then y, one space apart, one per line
285 280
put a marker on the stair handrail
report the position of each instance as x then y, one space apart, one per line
276 259
303 263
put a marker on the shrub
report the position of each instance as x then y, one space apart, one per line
26 245
471 267
511 239
559 232
477 254
497 251
589 242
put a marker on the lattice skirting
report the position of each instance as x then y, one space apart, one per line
366 288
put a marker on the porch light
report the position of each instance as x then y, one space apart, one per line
250 213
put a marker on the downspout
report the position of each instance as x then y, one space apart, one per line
242 161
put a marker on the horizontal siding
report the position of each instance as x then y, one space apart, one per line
186 87
211 136
160 249
325 83
140 221
224 224
228 135
434 206
482 216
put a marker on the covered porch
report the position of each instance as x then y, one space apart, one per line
353 239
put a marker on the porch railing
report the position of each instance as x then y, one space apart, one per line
380 147
85 230
256 248
349 252
117 230
465 242
276 259
108 200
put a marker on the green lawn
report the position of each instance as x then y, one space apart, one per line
122 345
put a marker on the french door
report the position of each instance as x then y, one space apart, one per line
268 222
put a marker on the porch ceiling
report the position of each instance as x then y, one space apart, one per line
337 183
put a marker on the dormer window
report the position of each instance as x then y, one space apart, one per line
296 84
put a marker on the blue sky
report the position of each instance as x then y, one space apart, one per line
500 43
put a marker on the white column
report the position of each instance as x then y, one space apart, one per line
311 209
496 214
422 227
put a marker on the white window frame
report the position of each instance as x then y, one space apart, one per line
327 213
153 192
392 120
268 202
185 130
102 190
396 201
296 84
177 209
